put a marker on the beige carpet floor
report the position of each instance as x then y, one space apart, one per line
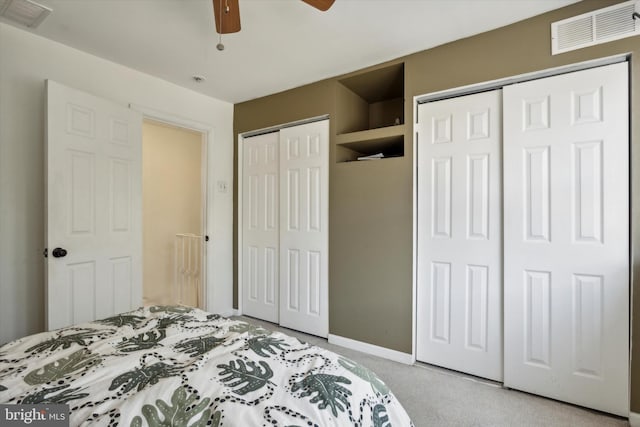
436 397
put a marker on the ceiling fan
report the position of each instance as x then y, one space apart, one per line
227 13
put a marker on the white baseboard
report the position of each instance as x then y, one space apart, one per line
374 350
230 312
634 419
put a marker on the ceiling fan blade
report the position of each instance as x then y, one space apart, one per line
227 16
322 5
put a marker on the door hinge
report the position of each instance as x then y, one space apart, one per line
45 253
206 238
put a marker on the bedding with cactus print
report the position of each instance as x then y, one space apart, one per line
177 366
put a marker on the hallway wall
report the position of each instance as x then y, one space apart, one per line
171 203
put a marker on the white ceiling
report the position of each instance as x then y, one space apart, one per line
283 43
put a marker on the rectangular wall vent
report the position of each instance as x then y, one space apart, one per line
592 28
24 12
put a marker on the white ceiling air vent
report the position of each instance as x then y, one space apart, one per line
600 26
24 12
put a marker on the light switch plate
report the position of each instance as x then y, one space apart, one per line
222 186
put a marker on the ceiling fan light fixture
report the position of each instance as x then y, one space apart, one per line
322 5
226 15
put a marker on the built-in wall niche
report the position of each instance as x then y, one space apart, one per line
370 115
371 100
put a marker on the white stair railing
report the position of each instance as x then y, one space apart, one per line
188 263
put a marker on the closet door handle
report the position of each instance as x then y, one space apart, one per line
59 253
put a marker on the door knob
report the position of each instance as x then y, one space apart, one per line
59 252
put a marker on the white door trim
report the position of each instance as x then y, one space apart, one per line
239 223
276 128
414 239
498 83
208 193
467 90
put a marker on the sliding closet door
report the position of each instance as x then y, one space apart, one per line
304 189
459 307
260 227
566 226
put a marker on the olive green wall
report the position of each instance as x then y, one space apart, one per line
297 104
370 211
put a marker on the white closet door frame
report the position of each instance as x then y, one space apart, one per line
240 169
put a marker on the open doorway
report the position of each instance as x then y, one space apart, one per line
173 206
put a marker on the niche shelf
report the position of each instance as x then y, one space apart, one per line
370 114
388 142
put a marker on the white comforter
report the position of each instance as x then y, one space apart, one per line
174 366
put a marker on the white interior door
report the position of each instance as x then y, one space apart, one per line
459 307
566 227
93 207
304 190
260 227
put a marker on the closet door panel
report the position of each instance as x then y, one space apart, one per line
304 163
459 307
260 230
566 227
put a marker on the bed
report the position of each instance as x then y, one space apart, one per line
166 365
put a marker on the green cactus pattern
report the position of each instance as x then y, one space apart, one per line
199 346
262 344
380 417
62 397
64 341
165 322
327 389
122 320
376 383
141 377
78 361
143 341
184 407
250 374
241 328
